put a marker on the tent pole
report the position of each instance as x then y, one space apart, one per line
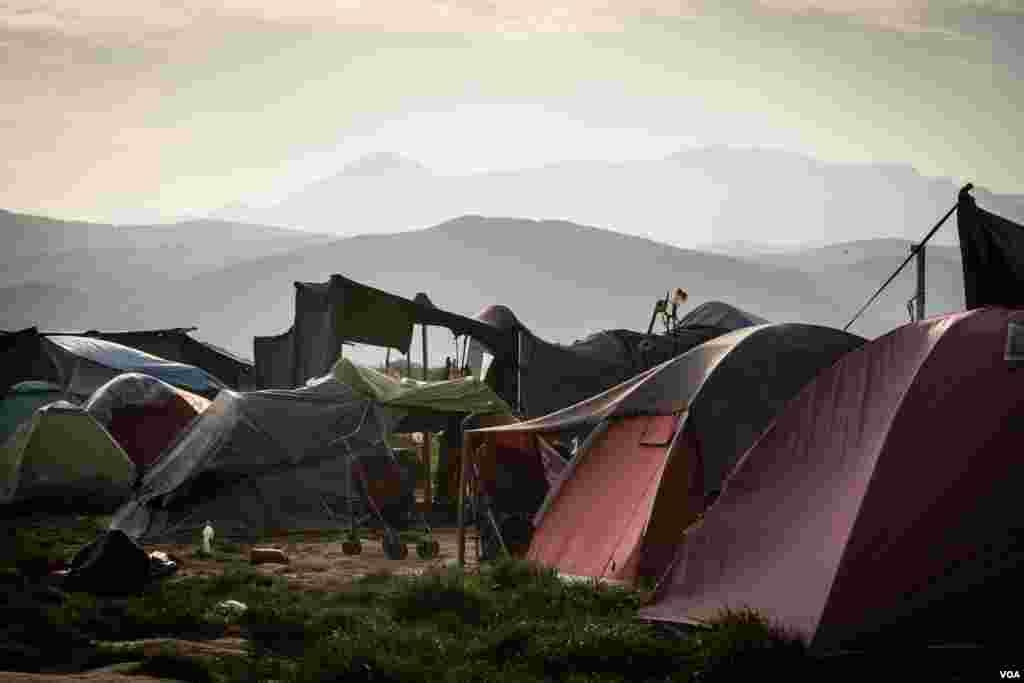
519 371
428 493
921 281
424 327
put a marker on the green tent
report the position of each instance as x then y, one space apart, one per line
64 453
465 395
21 402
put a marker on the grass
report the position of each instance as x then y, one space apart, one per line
511 621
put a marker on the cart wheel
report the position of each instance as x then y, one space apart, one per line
394 548
428 549
352 547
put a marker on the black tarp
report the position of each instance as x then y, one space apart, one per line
555 376
992 249
343 310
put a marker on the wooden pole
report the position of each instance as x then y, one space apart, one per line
428 492
920 281
460 513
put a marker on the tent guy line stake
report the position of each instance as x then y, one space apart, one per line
913 252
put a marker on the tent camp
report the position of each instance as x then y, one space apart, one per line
143 414
21 402
554 376
83 364
64 455
258 462
178 345
661 444
884 500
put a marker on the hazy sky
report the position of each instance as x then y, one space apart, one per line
185 105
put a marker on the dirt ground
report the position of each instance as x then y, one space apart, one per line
318 563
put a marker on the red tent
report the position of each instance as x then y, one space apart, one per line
660 445
144 414
885 499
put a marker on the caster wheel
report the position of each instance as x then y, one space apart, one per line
394 548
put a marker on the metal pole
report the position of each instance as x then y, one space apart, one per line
920 281
965 189
424 327
519 371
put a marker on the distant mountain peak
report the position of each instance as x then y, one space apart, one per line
382 163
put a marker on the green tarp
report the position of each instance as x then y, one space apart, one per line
465 395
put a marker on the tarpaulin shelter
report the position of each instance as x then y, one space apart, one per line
63 454
427 405
720 314
143 414
884 500
178 345
328 314
21 402
82 364
542 377
663 443
992 251
257 462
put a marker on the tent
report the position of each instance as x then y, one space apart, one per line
258 462
63 454
143 414
82 364
883 502
554 376
21 402
178 345
662 444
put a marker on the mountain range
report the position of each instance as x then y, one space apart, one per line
564 279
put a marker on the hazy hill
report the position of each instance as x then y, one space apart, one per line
102 258
566 280
694 197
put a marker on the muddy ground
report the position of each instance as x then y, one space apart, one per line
318 563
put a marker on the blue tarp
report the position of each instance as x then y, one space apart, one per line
126 359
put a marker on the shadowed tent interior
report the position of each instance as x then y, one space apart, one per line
63 455
83 364
143 414
558 375
660 446
882 503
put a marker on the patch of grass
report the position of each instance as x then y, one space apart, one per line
510 621
442 597
176 667
33 538
740 643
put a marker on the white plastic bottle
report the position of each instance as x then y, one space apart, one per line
207 537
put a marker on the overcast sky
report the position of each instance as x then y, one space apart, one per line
185 105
